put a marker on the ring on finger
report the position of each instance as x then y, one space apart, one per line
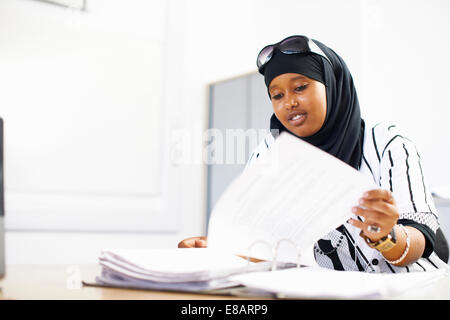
373 228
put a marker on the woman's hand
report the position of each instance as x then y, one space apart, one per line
378 209
193 242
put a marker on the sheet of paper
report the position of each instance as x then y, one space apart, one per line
314 282
295 192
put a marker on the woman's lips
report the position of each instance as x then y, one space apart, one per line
297 120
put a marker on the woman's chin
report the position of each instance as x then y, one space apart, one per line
299 132
302 133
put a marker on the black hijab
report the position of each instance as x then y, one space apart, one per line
342 133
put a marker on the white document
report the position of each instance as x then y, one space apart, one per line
315 282
113 278
187 269
294 192
174 265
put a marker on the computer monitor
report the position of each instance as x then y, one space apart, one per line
2 206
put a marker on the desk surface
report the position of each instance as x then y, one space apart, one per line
43 282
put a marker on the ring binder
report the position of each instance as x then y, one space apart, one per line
295 246
274 251
250 247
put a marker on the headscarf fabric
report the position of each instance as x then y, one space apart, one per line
342 133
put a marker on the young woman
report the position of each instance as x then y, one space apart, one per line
314 98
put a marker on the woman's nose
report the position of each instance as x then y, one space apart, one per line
291 102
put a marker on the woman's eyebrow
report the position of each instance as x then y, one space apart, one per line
292 79
272 87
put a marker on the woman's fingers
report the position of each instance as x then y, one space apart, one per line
186 243
364 226
380 213
368 214
367 226
375 206
193 242
356 223
375 219
379 194
200 243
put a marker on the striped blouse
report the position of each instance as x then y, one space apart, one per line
393 162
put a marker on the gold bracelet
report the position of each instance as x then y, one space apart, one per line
406 249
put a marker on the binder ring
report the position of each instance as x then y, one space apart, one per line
277 249
274 251
250 247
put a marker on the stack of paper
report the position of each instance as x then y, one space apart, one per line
315 282
186 269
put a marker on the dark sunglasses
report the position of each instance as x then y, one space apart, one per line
290 45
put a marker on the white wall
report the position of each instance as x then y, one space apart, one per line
207 41
87 123
406 79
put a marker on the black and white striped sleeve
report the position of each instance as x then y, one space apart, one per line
401 172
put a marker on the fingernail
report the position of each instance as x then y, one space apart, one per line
350 221
354 209
361 201
366 194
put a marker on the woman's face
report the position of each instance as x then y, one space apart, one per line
299 102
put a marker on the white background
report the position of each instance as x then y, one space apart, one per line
90 101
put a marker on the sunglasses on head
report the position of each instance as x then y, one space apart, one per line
290 45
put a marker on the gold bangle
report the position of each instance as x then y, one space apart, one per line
406 249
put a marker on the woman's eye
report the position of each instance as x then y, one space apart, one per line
277 96
301 88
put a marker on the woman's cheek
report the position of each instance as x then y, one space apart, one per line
278 109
